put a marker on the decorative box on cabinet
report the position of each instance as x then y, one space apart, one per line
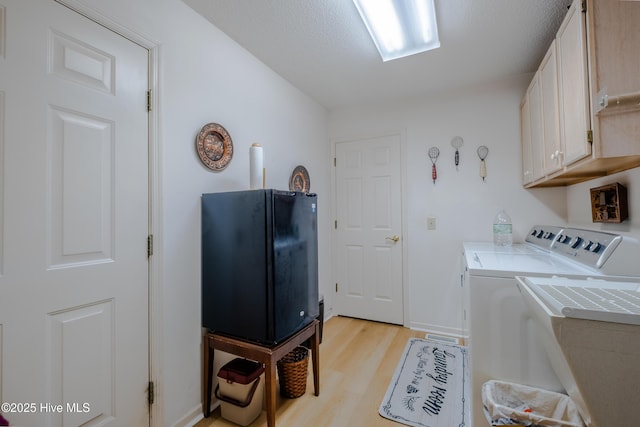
609 203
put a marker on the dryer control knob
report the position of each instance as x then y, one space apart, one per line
575 242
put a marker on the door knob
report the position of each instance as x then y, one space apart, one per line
394 238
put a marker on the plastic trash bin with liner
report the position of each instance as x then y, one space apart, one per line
508 404
240 390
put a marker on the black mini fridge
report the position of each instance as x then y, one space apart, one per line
259 263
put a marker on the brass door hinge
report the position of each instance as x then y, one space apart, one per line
584 5
151 393
149 100
336 287
590 136
149 245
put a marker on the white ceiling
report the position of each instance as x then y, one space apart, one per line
323 48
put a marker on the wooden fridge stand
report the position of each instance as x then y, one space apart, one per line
263 354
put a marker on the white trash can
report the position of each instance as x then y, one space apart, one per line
241 390
507 404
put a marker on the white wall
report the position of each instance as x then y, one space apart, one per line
464 205
205 77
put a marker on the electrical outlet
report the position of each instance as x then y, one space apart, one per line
431 223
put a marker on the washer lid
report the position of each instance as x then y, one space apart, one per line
523 264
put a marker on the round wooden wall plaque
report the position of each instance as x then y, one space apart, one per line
299 180
214 146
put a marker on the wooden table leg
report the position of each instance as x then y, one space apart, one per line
315 354
270 384
207 356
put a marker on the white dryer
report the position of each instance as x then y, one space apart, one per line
501 335
591 331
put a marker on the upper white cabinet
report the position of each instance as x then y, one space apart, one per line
531 132
575 122
540 128
552 153
589 105
525 138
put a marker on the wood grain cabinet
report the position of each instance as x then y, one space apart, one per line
531 132
525 138
551 144
540 130
586 122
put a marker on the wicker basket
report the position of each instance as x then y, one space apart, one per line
293 371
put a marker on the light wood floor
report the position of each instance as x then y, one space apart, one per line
357 360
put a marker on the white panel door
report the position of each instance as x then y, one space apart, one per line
369 227
75 206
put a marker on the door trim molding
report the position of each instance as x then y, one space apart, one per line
156 417
334 214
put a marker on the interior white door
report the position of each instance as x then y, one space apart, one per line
369 229
74 272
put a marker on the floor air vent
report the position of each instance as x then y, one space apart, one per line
443 338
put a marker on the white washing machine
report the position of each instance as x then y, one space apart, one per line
501 335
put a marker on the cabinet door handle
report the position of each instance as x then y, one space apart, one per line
557 155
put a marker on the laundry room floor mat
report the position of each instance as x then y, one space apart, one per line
430 386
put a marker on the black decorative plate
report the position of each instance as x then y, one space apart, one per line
300 180
214 146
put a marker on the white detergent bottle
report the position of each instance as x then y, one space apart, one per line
502 234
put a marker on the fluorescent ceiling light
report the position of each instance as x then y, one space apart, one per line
400 27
